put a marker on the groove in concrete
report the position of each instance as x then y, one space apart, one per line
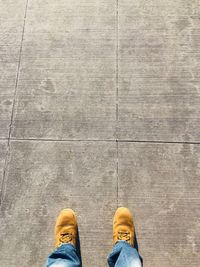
117 61
102 140
12 112
117 171
17 76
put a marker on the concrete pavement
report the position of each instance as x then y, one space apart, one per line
100 107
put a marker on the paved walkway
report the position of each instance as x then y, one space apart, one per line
100 107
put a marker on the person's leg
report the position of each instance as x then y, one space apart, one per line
124 254
64 256
65 253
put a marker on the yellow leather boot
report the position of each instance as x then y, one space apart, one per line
123 226
66 228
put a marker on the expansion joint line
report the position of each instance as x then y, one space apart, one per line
117 61
17 76
117 94
7 156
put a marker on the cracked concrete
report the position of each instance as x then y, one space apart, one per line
100 107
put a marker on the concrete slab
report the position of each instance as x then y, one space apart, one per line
43 178
67 76
67 86
159 71
12 19
56 109
64 16
160 184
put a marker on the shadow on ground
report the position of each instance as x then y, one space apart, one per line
136 246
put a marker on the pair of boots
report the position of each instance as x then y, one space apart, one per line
66 235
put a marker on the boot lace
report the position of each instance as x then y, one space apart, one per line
124 236
65 237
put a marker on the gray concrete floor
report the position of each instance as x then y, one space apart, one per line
100 107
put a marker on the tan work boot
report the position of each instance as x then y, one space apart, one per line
123 226
66 228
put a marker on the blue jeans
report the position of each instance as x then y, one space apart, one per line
122 255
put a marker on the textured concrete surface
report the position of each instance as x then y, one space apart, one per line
160 182
159 70
100 107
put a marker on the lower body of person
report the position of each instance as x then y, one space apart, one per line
124 254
